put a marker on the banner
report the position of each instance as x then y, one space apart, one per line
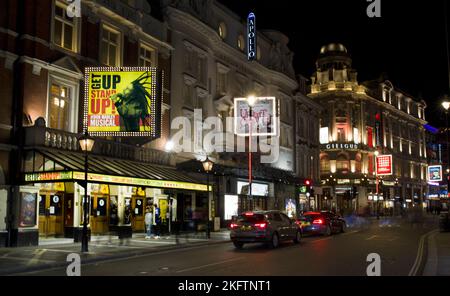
263 119
435 173
123 102
384 165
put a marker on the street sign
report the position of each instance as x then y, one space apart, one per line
384 165
435 173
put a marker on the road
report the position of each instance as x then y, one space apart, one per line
341 254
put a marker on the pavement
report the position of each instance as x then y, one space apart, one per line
53 252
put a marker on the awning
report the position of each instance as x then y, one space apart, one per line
110 171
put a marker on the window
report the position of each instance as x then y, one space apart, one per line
221 83
342 163
222 30
146 56
241 42
325 164
187 95
341 135
202 70
110 47
59 106
65 29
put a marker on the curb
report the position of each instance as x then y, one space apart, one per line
119 255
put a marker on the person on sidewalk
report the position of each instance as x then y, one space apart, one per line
157 222
148 222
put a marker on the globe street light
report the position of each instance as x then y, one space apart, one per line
86 144
207 166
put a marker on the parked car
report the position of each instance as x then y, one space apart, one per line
268 227
325 223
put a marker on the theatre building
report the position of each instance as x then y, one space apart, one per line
43 54
358 121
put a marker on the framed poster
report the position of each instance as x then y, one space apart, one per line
435 173
28 207
263 118
123 101
384 165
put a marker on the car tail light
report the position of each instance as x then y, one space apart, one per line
261 225
249 214
318 221
233 225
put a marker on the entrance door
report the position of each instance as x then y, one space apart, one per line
51 214
99 214
137 222
68 212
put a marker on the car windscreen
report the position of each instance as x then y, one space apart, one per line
256 218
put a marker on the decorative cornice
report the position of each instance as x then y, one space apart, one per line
222 48
39 64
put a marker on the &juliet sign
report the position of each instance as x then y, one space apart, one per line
341 146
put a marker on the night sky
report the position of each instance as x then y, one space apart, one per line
407 42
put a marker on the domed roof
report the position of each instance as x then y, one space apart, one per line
333 47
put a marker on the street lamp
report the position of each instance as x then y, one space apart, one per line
251 102
376 153
207 166
446 106
86 144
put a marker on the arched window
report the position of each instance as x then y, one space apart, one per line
241 43
342 163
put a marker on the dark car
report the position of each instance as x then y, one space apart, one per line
325 223
268 227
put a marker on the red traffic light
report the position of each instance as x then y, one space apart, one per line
307 182
378 116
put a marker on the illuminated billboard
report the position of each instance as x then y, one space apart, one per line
123 102
262 122
384 165
435 173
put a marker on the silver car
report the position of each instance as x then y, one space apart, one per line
268 227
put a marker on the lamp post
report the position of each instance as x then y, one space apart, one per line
251 102
169 149
446 106
86 144
208 166
376 153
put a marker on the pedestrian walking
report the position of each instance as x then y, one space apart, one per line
148 222
157 221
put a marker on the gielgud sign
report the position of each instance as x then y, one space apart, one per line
123 101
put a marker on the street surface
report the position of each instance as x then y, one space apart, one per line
400 245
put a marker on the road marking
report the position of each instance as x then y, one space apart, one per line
372 237
209 265
57 250
431 266
416 266
26 259
351 232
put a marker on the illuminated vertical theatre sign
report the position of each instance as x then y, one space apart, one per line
123 102
251 37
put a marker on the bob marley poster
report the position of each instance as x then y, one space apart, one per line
123 102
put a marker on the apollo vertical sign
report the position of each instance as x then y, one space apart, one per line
251 37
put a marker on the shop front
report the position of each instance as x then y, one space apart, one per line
117 203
